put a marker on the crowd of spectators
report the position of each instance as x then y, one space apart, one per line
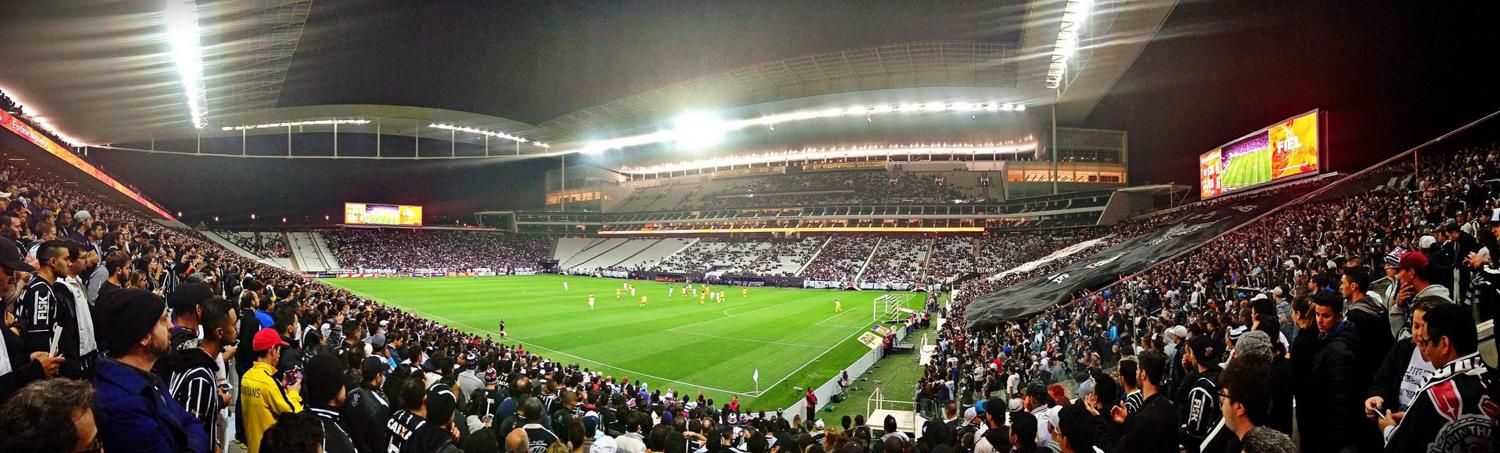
728 255
196 333
805 189
841 259
16 109
404 250
1354 304
1359 305
265 244
785 257
897 261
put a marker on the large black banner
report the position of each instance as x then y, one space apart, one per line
1191 229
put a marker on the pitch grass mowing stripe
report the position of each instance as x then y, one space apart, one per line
793 336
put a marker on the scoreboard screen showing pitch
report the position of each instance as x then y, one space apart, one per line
382 214
1287 149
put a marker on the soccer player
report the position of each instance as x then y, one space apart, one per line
670 289
565 286
643 301
838 306
591 301
632 290
617 293
744 292
502 327
721 296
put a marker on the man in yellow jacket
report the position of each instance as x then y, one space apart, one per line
262 397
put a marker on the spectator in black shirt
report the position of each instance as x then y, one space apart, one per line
438 435
1329 407
323 390
1154 427
118 265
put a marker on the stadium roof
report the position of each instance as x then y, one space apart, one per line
103 72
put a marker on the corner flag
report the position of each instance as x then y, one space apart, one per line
756 377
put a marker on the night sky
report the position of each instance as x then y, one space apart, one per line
1389 76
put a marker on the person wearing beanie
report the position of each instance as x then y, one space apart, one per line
439 434
185 314
262 395
324 392
193 373
134 411
367 409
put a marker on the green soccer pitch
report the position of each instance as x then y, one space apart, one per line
1248 169
793 336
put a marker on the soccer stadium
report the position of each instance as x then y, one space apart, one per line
748 227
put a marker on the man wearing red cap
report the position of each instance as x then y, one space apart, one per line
262 395
1416 287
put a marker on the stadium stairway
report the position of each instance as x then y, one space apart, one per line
868 258
655 253
814 256
230 245
622 252
567 248
592 252
310 252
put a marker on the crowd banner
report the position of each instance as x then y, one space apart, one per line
1188 231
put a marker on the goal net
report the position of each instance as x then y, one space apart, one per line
888 307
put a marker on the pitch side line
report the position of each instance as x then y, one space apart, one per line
582 359
809 362
819 356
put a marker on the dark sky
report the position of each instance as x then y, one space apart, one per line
1390 75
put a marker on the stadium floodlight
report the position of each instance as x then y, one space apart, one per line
1026 145
483 132
696 131
1075 14
187 54
703 129
282 124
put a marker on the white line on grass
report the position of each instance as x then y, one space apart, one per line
537 346
809 362
782 343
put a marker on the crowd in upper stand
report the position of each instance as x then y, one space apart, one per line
1345 304
408 249
266 244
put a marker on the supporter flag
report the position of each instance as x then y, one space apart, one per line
1186 232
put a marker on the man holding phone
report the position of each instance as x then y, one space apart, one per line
262 396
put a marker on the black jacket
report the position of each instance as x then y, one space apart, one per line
1153 429
335 438
1326 400
365 415
1373 325
430 439
1203 409
23 368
